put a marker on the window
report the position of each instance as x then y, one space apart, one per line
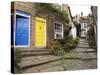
22 29
58 31
83 25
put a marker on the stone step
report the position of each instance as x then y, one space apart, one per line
80 56
28 62
57 65
36 50
46 63
81 50
45 67
83 46
53 69
33 49
35 53
84 43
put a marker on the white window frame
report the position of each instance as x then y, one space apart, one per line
61 33
83 25
27 16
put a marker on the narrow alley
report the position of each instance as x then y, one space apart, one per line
81 58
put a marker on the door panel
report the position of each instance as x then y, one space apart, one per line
22 30
40 37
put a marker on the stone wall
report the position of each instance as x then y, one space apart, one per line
51 18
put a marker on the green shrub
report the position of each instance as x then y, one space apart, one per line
70 43
62 41
56 48
76 40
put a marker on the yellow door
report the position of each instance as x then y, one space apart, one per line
40 32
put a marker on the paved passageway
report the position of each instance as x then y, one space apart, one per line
80 58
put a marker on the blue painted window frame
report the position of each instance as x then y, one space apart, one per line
27 15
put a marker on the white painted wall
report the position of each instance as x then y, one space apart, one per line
73 31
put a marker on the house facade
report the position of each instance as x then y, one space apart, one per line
73 32
33 27
83 24
84 29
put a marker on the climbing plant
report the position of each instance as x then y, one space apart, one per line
91 37
54 8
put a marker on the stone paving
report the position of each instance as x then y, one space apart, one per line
80 58
87 57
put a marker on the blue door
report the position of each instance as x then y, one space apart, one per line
22 30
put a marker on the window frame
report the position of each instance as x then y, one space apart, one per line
55 32
23 15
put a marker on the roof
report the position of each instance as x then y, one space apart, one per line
71 15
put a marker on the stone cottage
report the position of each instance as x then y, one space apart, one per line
34 25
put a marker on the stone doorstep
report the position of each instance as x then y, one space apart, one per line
33 50
26 53
28 62
35 53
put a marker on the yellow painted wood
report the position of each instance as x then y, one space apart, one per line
40 34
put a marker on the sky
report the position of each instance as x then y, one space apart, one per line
77 9
78 6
